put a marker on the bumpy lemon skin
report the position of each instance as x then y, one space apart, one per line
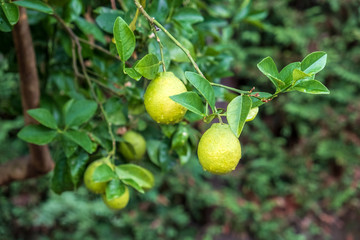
119 202
219 150
95 187
137 141
157 99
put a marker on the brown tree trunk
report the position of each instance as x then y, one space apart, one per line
39 161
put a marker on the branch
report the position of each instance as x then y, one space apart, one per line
154 22
39 161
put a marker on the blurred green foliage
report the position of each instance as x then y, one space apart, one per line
299 174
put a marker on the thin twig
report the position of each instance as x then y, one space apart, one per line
160 46
88 80
153 21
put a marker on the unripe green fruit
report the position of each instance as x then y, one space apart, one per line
119 202
157 99
138 144
95 187
219 150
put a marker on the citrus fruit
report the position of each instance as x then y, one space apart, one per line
219 150
118 202
252 114
157 99
95 187
137 147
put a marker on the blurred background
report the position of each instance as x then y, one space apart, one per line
299 176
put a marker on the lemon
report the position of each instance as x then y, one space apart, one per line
219 150
157 99
95 187
138 144
118 202
252 114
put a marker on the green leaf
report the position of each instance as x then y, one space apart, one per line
310 86
44 117
203 86
148 66
80 138
124 39
133 73
268 68
298 74
314 62
5 26
140 175
286 74
36 5
103 173
180 137
11 12
37 134
191 101
61 180
77 164
106 20
132 183
113 108
89 28
114 189
188 15
237 112
79 112
152 147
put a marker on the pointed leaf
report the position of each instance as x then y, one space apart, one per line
5 26
80 138
124 39
11 12
286 74
37 134
134 184
114 189
152 147
310 86
103 173
89 28
191 101
268 68
314 62
148 66
133 73
44 117
203 86
237 112
140 175
77 164
79 112
36 5
298 74
61 180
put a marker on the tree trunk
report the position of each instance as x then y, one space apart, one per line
39 161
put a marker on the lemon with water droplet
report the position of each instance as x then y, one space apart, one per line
219 150
157 99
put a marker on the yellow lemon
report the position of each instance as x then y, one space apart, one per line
219 150
157 99
118 202
95 187
138 144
